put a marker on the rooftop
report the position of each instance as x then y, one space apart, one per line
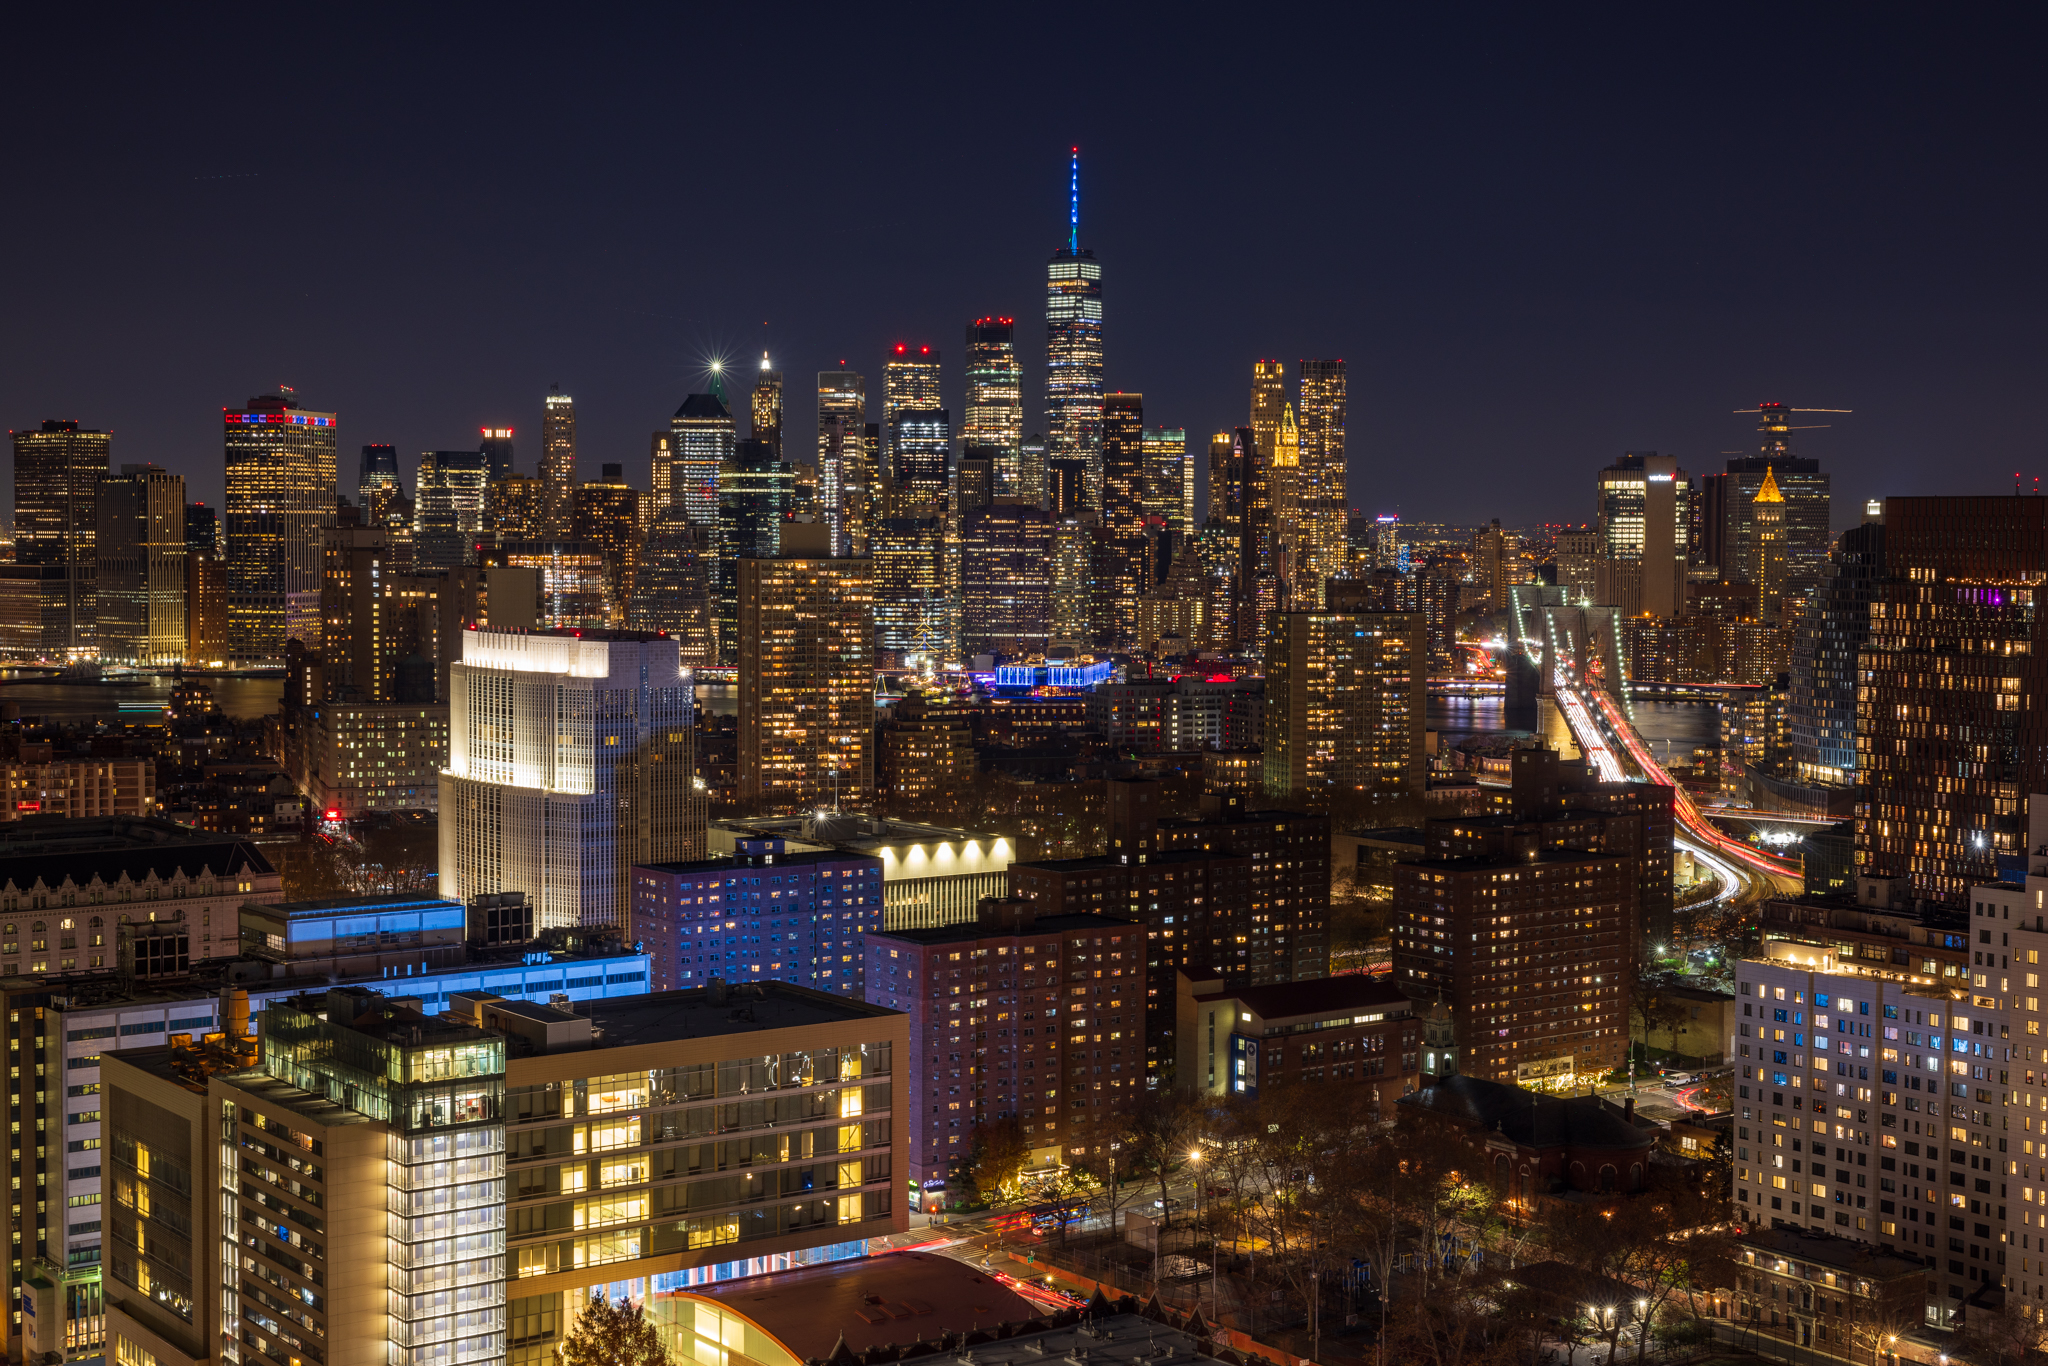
969 931
710 1011
1541 858
1400 834
1528 1118
1171 858
1827 1251
359 903
55 847
1322 996
808 858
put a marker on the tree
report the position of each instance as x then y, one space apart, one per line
1000 1151
2003 1334
608 1334
1876 1324
1156 1134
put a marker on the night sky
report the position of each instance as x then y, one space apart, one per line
1539 239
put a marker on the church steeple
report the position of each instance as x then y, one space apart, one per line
1439 1041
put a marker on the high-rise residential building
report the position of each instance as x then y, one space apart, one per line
766 407
1644 506
704 919
568 587
1235 895
1323 491
496 444
1169 479
1066 487
280 499
1073 541
1260 556
1577 557
806 679
451 490
57 472
1077 975
1822 716
995 401
1007 563
1073 349
1491 564
702 436
1031 471
1957 644
142 575
570 758
1122 561
557 462
379 484
206 606
1727 514
909 554
974 480
607 515
847 483
1345 694
754 494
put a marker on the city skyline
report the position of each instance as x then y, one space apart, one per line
1502 308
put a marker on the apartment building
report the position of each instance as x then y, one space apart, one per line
412 1188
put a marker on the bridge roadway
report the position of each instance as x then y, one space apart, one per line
1618 754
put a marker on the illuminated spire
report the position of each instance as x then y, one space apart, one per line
1769 492
1074 203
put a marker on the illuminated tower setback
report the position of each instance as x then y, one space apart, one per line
1770 548
1073 348
767 407
1324 491
995 400
557 462
280 499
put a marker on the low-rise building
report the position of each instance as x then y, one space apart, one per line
1339 1031
1832 1296
1536 1145
38 784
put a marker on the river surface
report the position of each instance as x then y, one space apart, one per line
140 700
1682 726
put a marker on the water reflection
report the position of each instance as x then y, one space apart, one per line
139 700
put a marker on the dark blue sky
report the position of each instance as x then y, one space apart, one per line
1540 236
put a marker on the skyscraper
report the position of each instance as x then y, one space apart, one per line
570 758
1323 490
673 586
1006 568
141 578
557 461
57 474
1169 479
1220 476
909 555
1073 348
496 445
451 490
379 484
1644 509
1728 508
1031 462
995 400
660 478
1344 702
1122 562
767 407
910 379
846 483
1769 516
280 499
1821 715
753 500
1269 396
920 445
702 437
1953 689
806 680
607 515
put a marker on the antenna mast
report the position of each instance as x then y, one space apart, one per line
1074 203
